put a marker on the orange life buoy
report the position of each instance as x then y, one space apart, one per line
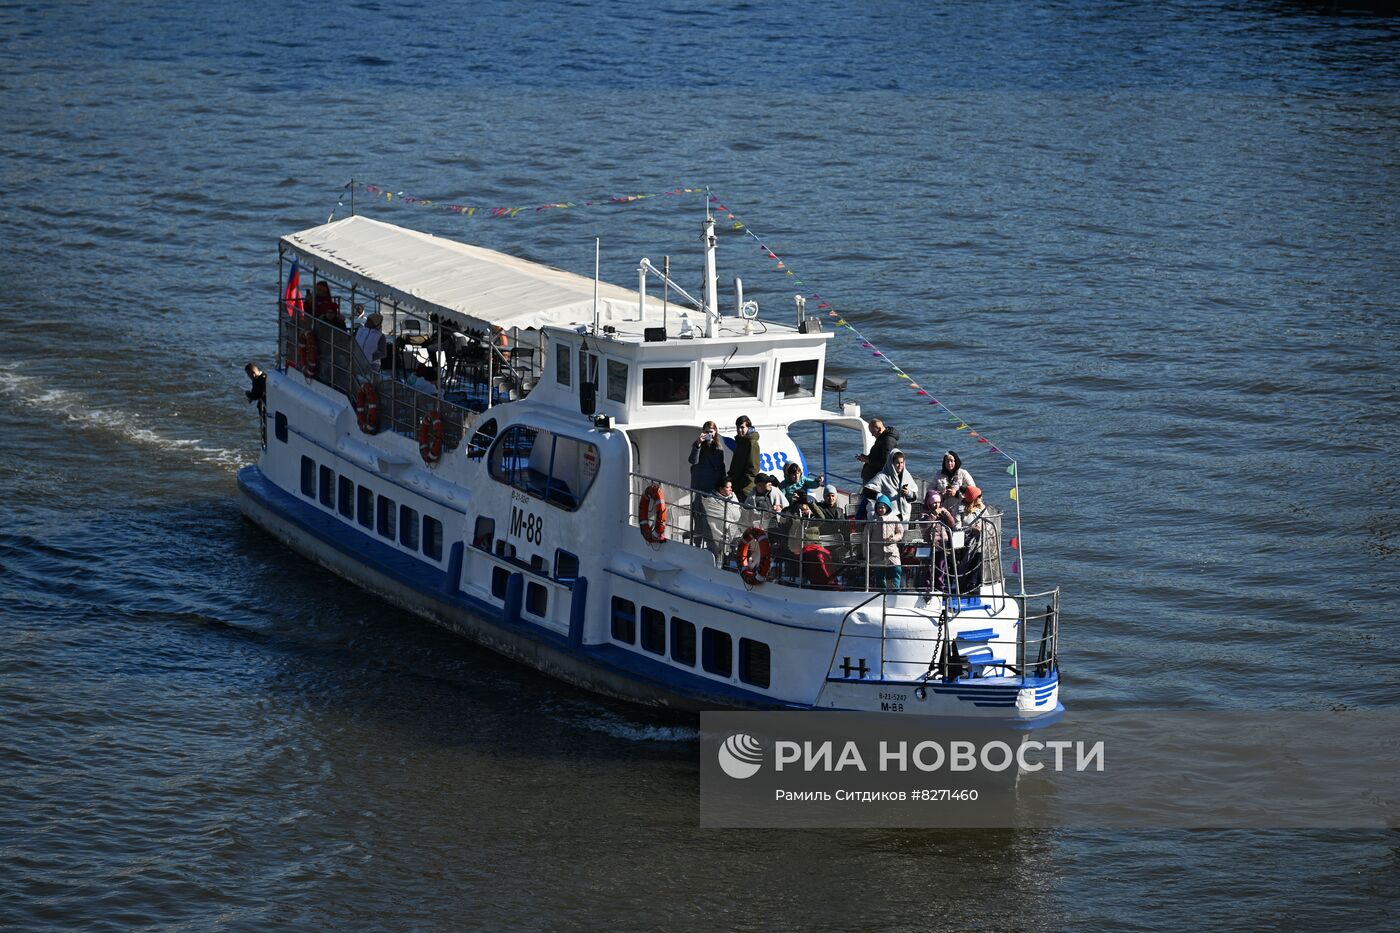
653 526
757 572
367 408
430 437
308 353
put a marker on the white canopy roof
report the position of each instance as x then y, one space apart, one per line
476 286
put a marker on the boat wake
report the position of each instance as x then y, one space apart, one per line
633 732
35 393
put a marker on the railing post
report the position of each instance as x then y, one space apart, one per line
1021 639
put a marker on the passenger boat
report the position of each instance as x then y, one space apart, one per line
515 470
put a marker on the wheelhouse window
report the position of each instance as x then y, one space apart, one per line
563 357
797 379
617 381
558 469
740 382
668 385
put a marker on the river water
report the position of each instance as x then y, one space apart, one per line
1149 249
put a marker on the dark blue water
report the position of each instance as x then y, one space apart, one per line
1149 249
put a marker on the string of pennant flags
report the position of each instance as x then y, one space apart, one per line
477 210
780 265
840 320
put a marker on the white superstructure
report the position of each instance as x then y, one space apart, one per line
497 470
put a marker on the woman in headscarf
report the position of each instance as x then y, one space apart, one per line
896 482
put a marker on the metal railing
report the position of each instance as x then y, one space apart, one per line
1032 654
836 552
340 365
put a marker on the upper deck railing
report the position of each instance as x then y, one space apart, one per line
833 552
465 373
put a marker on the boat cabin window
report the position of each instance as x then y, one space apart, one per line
536 599
432 537
347 497
755 662
797 379
408 527
717 652
308 477
617 381
653 630
682 641
565 567
668 385
563 357
388 512
279 426
558 469
328 487
740 382
364 506
481 439
624 620
484 534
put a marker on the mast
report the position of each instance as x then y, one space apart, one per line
711 285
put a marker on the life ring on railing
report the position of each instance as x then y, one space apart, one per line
367 408
651 514
755 573
308 353
430 437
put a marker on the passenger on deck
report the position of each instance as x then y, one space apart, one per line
424 379
936 528
370 341
885 439
896 482
744 466
952 479
716 518
325 307
865 508
795 485
974 525
833 517
706 459
882 537
766 497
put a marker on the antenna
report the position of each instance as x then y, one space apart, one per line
597 252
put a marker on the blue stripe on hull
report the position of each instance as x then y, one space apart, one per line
643 679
